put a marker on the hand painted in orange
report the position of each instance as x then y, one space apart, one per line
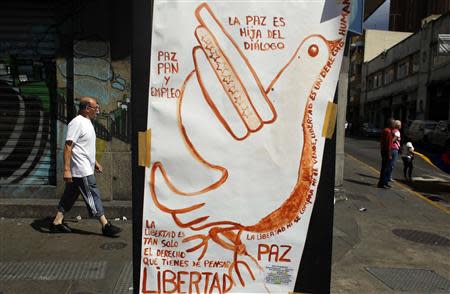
227 233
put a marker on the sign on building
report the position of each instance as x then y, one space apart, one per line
240 107
444 44
357 17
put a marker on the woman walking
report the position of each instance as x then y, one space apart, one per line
395 147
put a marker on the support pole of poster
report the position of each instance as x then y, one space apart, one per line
315 266
341 118
140 75
317 254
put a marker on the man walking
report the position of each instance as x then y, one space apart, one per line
386 154
79 166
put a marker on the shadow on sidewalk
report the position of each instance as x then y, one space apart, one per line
367 176
434 190
358 182
43 226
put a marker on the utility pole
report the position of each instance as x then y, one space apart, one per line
341 117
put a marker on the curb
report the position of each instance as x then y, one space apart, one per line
339 194
34 208
427 160
402 186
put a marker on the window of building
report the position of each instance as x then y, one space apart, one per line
376 80
415 62
371 82
389 75
439 59
403 69
380 79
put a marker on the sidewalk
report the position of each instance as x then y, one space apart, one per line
39 208
429 181
383 237
35 261
86 262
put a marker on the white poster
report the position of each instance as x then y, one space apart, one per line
237 103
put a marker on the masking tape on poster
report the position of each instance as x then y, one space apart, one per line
144 148
329 123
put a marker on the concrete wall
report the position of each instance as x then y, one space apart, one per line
90 50
414 90
96 75
377 41
407 85
101 69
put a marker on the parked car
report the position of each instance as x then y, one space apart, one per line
369 130
420 130
440 134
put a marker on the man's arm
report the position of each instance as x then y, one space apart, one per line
67 157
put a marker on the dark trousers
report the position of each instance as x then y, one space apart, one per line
392 162
87 187
407 166
385 168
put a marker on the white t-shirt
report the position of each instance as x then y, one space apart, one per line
81 132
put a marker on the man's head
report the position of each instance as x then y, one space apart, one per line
398 124
390 123
89 107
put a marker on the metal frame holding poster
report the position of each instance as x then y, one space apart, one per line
240 101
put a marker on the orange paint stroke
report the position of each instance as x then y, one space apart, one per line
287 212
244 58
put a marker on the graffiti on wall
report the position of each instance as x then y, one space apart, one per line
25 143
33 124
96 75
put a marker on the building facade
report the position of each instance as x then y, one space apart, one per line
363 49
51 54
356 54
407 15
410 80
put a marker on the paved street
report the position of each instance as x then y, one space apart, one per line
428 180
387 241
381 237
35 261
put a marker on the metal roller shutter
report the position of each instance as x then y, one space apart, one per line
27 54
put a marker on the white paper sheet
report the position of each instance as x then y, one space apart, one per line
238 93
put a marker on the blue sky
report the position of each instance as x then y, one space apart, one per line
379 20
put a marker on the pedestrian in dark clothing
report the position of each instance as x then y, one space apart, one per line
386 154
408 158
